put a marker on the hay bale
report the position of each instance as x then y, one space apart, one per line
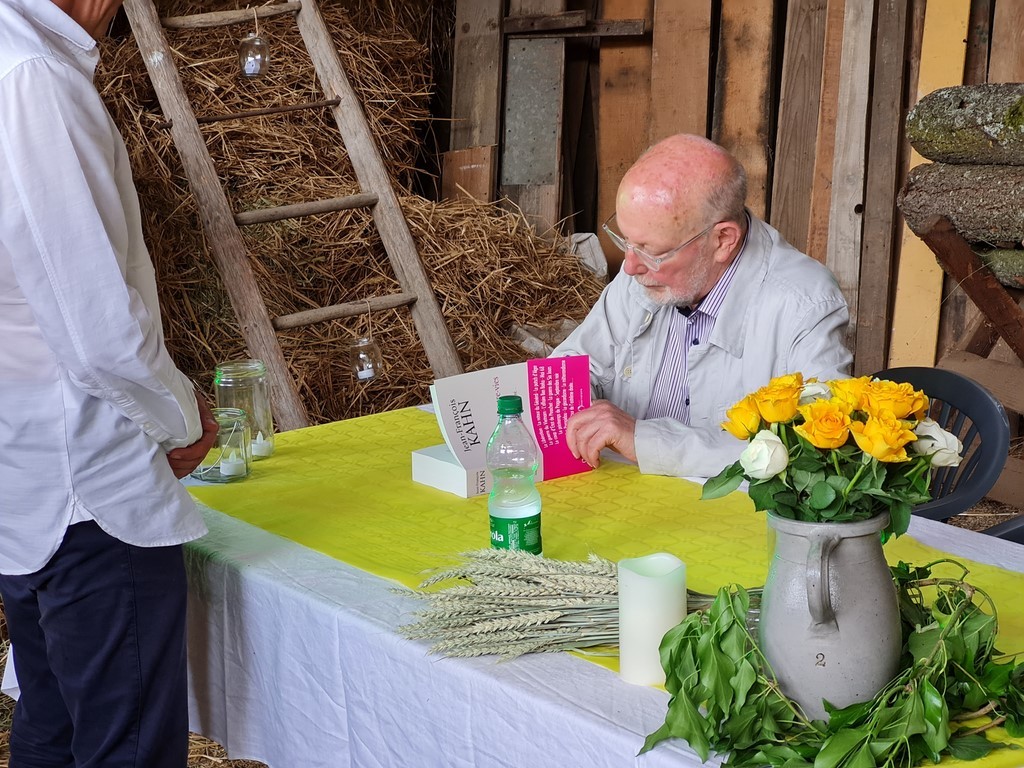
489 270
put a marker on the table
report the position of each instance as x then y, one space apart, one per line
295 659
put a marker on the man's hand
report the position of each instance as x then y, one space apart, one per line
184 460
599 426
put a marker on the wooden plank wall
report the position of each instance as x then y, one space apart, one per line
915 323
624 103
810 94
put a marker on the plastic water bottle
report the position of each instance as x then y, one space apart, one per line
514 503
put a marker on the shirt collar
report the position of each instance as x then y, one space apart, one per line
65 34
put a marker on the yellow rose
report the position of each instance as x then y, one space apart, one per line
778 400
901 399
850 392
883 436
826 424
744 419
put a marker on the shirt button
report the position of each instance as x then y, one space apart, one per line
687 401
695 342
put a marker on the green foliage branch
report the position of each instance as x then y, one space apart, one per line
953 687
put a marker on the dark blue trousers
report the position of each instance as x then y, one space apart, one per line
99 647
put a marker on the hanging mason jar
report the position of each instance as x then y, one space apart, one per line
243 384
365 358
253 55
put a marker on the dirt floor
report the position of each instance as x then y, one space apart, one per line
204 753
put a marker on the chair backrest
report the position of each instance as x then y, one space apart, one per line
962 406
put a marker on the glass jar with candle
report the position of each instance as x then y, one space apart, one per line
365 358
253 55
243 384
230 458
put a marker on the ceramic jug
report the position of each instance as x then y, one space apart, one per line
830 621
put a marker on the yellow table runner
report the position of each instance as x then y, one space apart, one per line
344 489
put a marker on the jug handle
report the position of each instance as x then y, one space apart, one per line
819 599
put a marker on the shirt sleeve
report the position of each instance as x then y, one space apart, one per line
77 258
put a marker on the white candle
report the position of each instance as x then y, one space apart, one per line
652 600
365 373
261 446
233 465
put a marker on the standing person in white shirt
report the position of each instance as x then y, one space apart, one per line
710 304
96 422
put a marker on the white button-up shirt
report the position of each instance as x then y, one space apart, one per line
90 400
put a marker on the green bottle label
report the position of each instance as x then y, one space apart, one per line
516 533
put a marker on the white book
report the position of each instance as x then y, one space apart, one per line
552 389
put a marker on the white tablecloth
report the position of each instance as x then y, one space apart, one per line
295 661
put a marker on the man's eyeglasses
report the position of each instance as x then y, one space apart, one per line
651 260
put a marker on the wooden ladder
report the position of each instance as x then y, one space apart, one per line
222 225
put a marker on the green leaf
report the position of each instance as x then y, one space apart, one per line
683 721
899 518
839 746
822 495
936 718
724 483
847 716
742 682
862 758
973 747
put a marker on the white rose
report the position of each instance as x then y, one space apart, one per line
815 390
765 456
932 440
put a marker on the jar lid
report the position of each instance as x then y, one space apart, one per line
234 370
509 405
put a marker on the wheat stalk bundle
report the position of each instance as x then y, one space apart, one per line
508 603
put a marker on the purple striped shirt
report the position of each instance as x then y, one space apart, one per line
671 395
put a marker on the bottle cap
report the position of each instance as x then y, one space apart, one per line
510 405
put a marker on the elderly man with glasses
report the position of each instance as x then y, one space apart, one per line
710 304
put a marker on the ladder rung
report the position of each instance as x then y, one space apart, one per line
294 211
349 309
224 18
267 111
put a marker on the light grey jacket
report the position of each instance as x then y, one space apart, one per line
784 313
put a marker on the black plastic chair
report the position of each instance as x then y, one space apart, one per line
962 406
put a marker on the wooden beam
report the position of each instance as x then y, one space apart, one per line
1001 379
513 25
1006 64
680 68
226 18
846 213
963 265
825 140
596 28
373 177
469 173
623 111
979 37
348 309
1009 488
878 240
799 101
743 92
476 75
915 321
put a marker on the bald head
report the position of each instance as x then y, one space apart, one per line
688 178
